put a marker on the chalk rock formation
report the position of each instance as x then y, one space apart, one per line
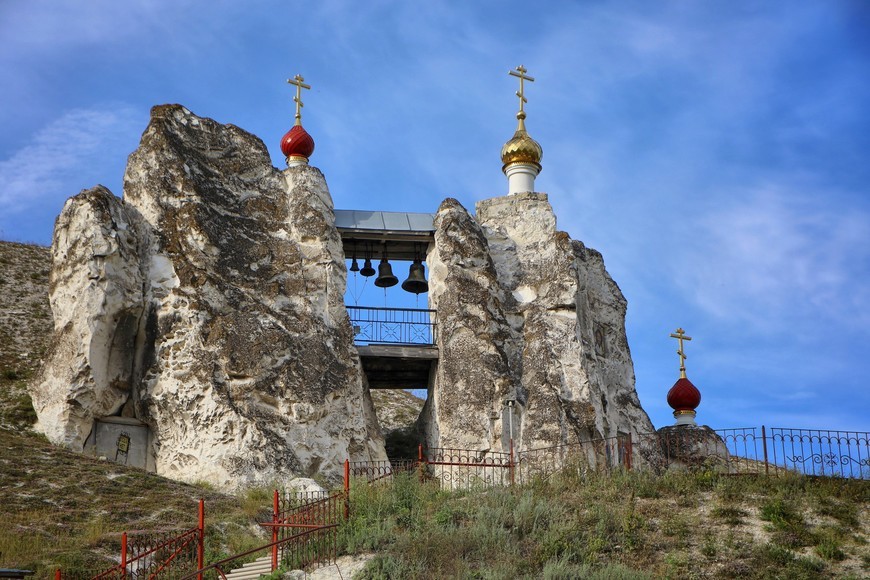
96 297
686 447
209 304
527 315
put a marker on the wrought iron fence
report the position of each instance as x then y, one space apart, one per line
465 468
292 512
821 452
393 325
747 450
607 453
371 471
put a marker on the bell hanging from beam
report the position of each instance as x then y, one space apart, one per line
354 267
416 282
385 277
367 269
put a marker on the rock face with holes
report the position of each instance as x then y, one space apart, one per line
531 333
208 304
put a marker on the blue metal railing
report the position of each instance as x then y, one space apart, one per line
393 325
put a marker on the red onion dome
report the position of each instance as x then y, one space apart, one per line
297 143
684 396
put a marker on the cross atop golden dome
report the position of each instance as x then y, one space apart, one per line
521 148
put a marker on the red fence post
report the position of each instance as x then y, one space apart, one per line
629 449
346 488
124 555
200 547
57 574
275 531
764 442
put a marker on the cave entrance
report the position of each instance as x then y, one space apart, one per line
395 332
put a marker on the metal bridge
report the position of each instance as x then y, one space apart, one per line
396 345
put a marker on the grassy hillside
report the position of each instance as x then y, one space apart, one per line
623 525
62 509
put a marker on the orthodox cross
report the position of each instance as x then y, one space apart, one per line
680 335
520 73
297 80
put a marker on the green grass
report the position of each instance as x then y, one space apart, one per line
624 525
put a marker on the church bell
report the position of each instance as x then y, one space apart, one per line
385 277
354 267
416 282
367 269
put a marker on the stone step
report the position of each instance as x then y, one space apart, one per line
252 570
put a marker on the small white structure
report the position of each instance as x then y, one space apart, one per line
124 440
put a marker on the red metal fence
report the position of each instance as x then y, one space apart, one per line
768 451
303 528
292 512
150 555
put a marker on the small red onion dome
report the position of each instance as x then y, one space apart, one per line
297 143
684 396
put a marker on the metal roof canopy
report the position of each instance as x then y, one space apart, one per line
403 234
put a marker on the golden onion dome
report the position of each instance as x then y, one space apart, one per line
521 148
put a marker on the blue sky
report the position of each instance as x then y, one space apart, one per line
716 153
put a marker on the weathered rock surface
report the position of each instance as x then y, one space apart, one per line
527 315
398 413
680 447
210 305
96 297
474 373
25 327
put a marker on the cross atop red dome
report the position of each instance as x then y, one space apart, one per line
683 397
297 145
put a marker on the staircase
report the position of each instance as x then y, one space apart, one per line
252 570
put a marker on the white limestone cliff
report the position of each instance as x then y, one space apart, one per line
239 352
526 315
96 298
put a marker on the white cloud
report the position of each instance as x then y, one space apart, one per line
774 258
79 143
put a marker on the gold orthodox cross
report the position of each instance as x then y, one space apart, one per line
680 335
297 80
520 73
